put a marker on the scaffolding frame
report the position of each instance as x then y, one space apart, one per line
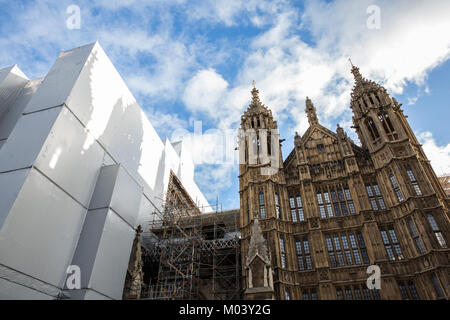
198 254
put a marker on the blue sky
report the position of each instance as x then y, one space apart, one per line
188 61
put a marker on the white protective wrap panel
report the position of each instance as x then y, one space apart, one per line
104 188
71 149
87 247
115 188
32 284
60 80
111 262
85 294
10 185
11 84
14 111
13 291
126 197
41 231
26 140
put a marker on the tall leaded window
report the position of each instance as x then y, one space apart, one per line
391 243
339 294
293 209
387 126
283 253
414 183
413 291
362 247
396 187
296 207
403 290
303 254
262 208
436 285
375 197
277 205
356 292
408 290
437 232
416 237
372 128
376 294
335 201
323 215
287 296
348 293
366 293
346 249
309 294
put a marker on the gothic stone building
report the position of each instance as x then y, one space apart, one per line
334 208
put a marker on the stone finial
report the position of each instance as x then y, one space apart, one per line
256 103
311 112
339 130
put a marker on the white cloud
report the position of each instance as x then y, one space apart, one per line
204 91
439 156
234 12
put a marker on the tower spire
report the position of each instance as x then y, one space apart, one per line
256 103
357 75
362 85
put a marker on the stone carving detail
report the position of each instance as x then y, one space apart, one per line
368 216
314 222
323 274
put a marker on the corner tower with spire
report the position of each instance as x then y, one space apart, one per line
384 131
261 178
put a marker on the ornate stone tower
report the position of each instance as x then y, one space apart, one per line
418 204
261 178
383 130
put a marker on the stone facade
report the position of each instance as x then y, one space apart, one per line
334 208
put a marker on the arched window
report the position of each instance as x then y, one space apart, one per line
378 99
246 150
387 126
372 129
